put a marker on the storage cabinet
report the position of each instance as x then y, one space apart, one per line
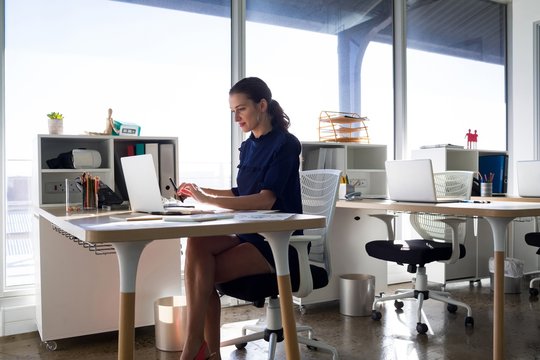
363 164
77 290
446 159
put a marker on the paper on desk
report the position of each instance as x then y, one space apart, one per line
261 216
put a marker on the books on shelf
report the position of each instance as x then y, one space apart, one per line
153 149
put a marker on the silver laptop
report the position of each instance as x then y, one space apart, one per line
143 188
528 178
412 181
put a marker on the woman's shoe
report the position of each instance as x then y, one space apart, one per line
201 355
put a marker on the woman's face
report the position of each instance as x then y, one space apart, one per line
246 112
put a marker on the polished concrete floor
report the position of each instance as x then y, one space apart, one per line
394 337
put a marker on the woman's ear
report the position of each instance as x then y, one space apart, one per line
263 105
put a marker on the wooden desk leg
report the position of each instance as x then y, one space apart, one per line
279 242
498 228
128 254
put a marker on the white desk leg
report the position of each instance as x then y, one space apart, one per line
128 254
279 242
498 228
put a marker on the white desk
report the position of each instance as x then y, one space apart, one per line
497 213
130 238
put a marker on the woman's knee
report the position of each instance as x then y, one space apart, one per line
212 245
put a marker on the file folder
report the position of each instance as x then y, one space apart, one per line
167 169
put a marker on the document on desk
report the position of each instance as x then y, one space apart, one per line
199 217
261 216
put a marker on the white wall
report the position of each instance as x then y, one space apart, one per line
521 138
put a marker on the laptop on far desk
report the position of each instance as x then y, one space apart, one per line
528 178
412 181
143 188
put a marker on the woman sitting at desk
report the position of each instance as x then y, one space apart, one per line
268 178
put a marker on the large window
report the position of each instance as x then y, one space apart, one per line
165 69
456 73
324 58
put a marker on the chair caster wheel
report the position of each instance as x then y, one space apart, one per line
376 315
421 328
241 346
533 291
313 348
469 321
51 345
398 304
451 308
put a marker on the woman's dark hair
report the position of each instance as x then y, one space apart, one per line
256 89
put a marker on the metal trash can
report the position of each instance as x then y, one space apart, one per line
170 320
513 273
356 294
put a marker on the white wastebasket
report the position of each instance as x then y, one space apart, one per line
513 273
170 323
356 294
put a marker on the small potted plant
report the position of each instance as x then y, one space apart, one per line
56 123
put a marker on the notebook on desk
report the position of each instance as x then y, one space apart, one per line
412 181
528 178
143 188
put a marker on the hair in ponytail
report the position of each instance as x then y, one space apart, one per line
256 90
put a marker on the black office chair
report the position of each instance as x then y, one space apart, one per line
319 193
435 230
533 239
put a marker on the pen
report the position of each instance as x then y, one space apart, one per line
476 201
180 197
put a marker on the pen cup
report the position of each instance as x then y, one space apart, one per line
90 188
486 189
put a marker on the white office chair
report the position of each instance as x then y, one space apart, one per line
319 194
436 231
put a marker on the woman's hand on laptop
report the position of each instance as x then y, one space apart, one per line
192 190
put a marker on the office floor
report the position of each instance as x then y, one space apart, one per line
394 337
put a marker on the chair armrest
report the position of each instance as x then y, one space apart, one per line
387 218
300 243
454 224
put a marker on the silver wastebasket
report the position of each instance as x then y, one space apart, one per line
170 323
356 294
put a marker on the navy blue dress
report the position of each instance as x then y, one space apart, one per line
271 162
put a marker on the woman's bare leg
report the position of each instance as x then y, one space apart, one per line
208 261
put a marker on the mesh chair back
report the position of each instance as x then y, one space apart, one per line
447 183
453 183
319 195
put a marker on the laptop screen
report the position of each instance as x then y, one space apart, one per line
410 180
141 183
528 177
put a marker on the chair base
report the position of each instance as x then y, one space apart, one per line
533 291
271 330
421 293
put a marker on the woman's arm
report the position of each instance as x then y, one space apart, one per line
264 200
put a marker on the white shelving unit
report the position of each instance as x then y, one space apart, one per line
363 164
77 290
350 229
